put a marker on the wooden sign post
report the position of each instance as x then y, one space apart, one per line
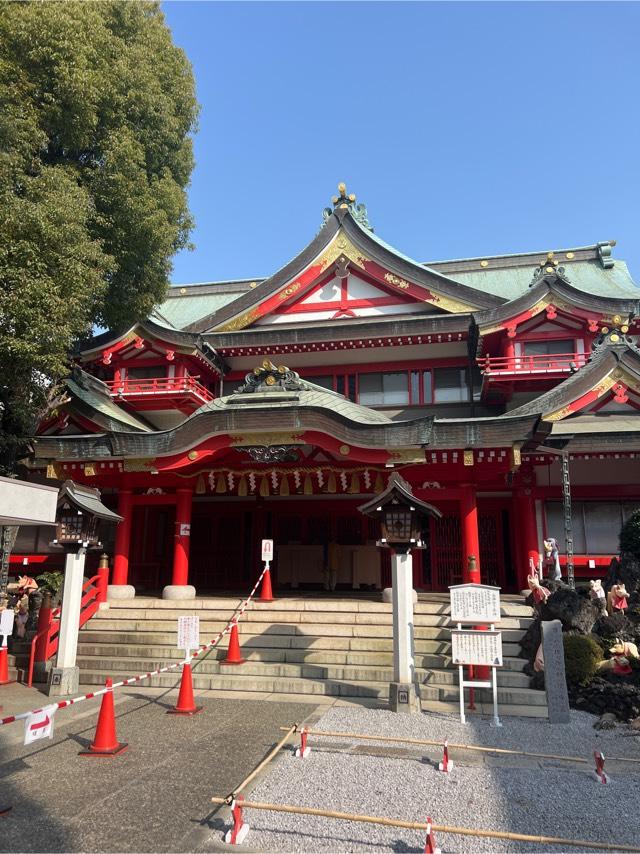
478 605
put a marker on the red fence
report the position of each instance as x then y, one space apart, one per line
45 643
159 386
540 363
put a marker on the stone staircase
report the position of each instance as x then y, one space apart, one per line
303 645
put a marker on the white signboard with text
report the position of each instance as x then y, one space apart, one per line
267 551
476 647
188 633
475 603
39 724
6 624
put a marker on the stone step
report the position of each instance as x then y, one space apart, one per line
210 629
235 681
346 673
297 656
510 606
295 616
504 709
272 641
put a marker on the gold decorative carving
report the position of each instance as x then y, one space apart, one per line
192 455
341 245
142 464
467 458
240 322
266 439
54 471
90 469
407 455
448 304
396 280
345 450
516 457
289 290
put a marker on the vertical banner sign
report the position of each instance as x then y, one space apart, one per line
39 724
188 633
267 551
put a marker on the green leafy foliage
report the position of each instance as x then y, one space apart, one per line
96 110
51 581
630 536
582 654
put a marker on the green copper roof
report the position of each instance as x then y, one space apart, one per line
181 310
116 417
586 276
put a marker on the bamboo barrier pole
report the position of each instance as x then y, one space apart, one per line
437 828
266 760
477 747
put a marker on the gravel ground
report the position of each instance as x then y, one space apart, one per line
538 797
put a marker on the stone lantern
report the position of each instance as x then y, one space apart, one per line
401 516
79 512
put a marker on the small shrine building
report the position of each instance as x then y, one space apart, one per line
504 389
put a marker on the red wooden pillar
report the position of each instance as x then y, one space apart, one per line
123 538
180 575
526 535
470 537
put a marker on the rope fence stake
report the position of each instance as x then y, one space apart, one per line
478 747
435 828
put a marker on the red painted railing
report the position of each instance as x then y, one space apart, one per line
158 386
45 642
524 366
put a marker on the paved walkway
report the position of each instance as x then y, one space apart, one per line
153 797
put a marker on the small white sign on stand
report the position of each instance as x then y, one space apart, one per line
39 724
188 634
476 604
267 551
6 624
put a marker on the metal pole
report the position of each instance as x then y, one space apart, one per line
568 530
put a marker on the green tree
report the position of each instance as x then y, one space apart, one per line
96 110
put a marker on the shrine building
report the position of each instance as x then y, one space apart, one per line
504 389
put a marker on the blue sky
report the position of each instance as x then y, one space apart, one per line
466 128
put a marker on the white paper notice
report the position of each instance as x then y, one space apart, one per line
471 647
188 633
475 603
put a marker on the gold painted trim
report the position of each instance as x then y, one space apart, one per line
408 455
265 439
600 389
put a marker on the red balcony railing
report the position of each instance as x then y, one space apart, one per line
528 367
45 643
159 386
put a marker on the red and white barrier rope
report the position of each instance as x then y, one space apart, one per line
133 679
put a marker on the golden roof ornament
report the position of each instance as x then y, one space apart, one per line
347 202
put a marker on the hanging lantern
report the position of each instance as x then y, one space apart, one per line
308 486
354 487
200 486
242 487
221 484
331 483
284 485
264 486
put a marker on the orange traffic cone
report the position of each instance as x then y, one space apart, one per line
266 594
186 704
105 742
233 653
4 666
